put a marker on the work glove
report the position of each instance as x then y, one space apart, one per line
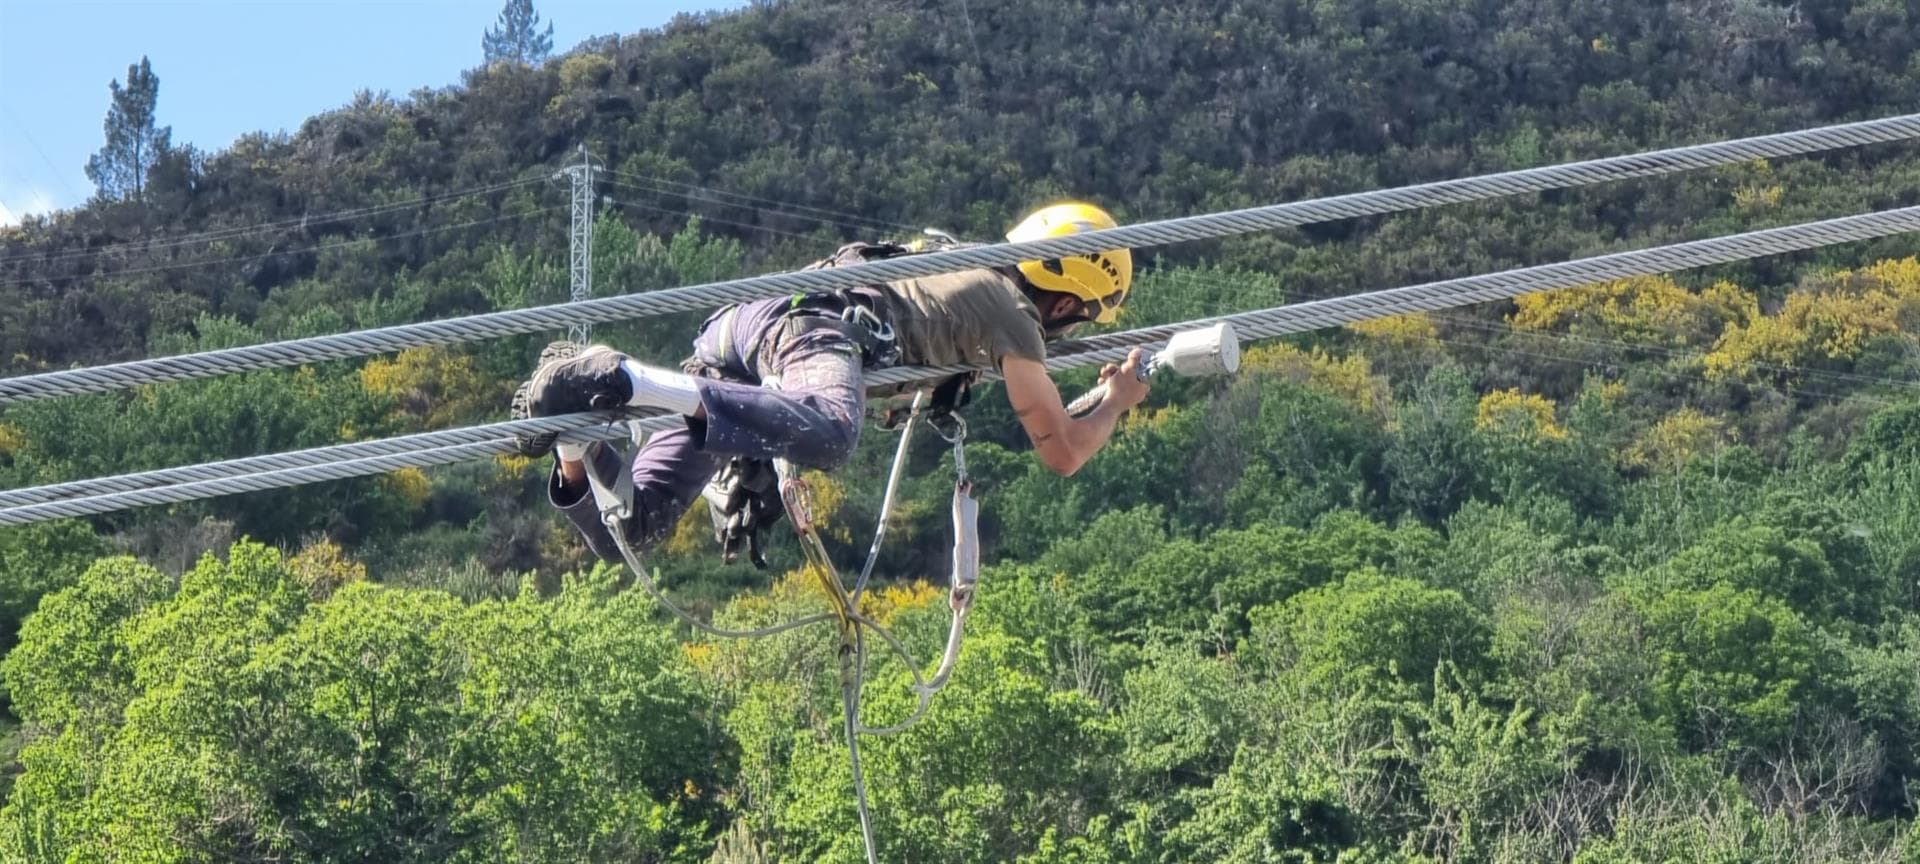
744 502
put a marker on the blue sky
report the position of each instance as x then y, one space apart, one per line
229 67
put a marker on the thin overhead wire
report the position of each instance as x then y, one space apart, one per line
238 231
782 206
792 209
438 448
302 250
691 298
629 203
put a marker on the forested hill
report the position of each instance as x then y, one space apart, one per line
959 115
1626 573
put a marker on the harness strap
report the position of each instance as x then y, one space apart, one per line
851 314
726 337
615 503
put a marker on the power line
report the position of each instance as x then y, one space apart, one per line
786 208
456 445
1834 376
303 250
1193 278
1199 227
237 231
495 431
629 204
51 168
1668 373
319 455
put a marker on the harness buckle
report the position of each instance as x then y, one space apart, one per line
879 345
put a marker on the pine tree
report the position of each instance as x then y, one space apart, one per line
134 143
515 36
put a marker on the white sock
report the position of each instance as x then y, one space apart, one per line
660 388
570 452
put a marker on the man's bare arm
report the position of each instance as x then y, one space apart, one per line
1064 443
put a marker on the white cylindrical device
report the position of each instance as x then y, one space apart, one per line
1208 351
1211 350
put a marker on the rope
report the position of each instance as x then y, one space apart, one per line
444 447
646 579
1205 226
886 497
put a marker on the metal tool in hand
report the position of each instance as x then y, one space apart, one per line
1211 350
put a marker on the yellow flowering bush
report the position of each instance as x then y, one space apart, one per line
1671 443
1349 378
1831 321
1642 310
1529 415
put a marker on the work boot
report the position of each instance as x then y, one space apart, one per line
523 400
588 379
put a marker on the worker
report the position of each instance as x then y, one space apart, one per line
781 378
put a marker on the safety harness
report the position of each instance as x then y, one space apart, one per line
951 393
614 500
742 500
747 496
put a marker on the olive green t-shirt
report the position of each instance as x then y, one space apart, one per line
974 317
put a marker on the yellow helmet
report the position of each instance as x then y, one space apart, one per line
1101 279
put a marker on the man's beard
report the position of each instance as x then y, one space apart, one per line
1057 330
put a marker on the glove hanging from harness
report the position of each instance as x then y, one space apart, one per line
744 502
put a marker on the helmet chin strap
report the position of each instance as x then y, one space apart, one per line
1055 327
1059 327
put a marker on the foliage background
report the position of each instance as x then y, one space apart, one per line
1624 573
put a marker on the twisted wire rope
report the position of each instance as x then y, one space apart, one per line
1198 227
338 462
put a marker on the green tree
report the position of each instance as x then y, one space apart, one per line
516 37
1368 633
134 143
1267 806
36 560
1434 458
1000 760
1735 666
1480 768
260 710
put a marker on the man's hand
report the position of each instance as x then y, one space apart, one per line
1123 381
1064 443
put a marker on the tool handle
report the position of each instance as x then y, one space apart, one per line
1090 400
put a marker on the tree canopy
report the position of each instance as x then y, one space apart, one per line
1623 573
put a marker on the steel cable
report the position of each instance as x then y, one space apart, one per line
1199 227
455 445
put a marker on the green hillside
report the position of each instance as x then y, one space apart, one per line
1625 573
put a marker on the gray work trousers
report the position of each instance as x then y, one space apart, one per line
813 419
